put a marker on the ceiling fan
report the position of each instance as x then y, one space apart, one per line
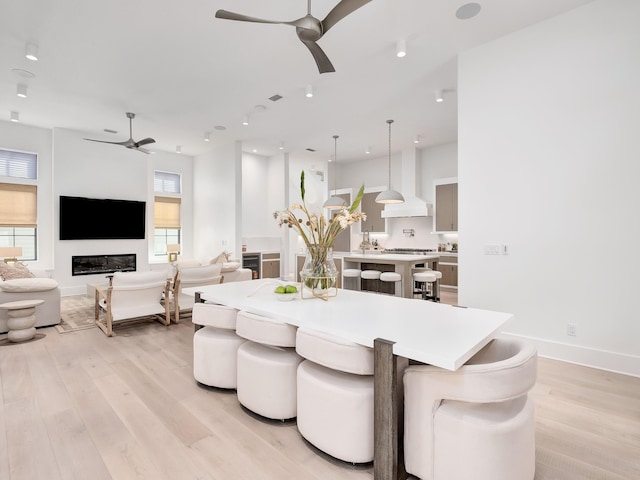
131 143
308 28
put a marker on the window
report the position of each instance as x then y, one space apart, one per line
18 202
167 226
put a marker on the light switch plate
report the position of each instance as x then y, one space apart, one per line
492 249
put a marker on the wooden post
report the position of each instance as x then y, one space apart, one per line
388 461
198 299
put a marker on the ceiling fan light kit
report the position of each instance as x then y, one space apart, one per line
308 28
130 143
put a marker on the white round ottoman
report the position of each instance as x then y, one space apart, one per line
215 346
267 366
335 396
267 380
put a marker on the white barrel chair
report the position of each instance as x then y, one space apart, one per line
335 396
215 346
476 422
267 366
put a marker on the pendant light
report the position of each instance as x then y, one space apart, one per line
390 195
335 201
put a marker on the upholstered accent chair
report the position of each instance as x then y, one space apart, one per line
192 277
132 295
476 422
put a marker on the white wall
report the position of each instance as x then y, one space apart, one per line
217 213
88 169
548 164
25 138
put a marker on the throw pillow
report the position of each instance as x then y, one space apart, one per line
222 258
16 270
230 266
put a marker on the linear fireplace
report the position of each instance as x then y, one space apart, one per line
95 264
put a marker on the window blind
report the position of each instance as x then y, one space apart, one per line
18 205
166 212
18 164
166 182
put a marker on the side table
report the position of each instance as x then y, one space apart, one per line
22 319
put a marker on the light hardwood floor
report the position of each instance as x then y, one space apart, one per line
83 406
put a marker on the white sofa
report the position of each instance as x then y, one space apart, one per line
38 288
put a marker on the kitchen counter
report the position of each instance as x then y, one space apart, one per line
403 264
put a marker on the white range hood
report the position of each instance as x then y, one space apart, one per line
413 205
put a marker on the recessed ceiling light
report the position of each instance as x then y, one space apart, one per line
21 90
417 139
207 137
255 150
31 52
439 96
308 91
281 145
220 127
368 150
468 11
245 120
401 48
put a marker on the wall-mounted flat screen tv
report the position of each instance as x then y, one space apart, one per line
101 219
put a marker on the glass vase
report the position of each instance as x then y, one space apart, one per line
319 273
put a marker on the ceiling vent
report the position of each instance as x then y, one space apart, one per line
275 98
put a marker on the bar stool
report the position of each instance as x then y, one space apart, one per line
427 277
267 366
392 277
352 273
371 275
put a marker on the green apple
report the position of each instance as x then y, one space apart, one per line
280 289
291 289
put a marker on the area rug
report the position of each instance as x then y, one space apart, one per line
76 313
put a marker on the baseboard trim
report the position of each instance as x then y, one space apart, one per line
588 357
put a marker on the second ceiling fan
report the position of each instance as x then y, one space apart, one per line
309 28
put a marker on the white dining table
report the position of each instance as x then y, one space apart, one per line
398 329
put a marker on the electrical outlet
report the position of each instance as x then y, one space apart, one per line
572 329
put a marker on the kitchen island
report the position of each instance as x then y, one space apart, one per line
402 264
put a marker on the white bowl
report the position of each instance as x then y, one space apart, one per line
285 297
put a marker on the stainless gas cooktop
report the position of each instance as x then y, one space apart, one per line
410 251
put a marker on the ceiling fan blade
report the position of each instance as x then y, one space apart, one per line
143 150
224 14
323 62
145 141
341 10
104 141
